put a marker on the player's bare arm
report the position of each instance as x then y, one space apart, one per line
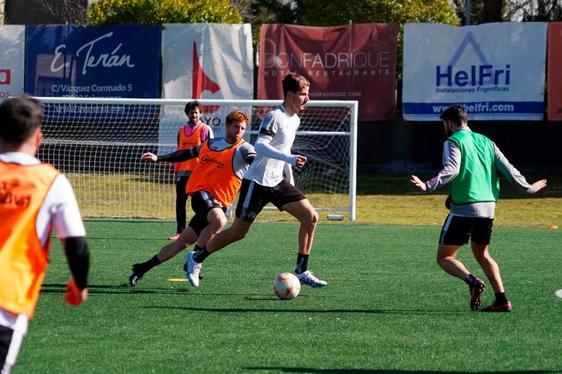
538 185
177 156
418 183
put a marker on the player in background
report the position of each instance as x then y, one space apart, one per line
266 182
213 185
189 135
471 163
35 198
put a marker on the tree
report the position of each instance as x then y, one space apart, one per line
541 10
492 11
65 11
275 11
111 12
337 12
509 10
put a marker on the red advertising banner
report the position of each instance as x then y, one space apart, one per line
351 62
554 72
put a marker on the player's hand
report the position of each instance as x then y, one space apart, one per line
301 161
75 296
538 185
149 157
417 182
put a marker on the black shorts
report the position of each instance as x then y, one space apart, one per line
5 341
457 230
10 344
253 197
201 203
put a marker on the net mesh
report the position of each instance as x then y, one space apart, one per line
98 147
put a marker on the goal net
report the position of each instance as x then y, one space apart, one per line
97 143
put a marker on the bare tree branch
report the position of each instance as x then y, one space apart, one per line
245 9
66 11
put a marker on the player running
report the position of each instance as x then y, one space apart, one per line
471 163
34 199
213 185
266 182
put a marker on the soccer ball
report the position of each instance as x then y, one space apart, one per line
286 286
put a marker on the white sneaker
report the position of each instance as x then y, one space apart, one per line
193 269
310 280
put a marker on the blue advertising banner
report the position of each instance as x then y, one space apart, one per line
111 61
497 70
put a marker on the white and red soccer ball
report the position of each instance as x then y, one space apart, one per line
286 286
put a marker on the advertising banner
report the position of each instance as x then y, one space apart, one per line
496 70
350 62
554 71
112 61
12 60
205 61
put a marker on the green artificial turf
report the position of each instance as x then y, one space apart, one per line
388 307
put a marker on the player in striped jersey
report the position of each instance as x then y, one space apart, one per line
269 180
213 185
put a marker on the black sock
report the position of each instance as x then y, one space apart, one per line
200 254
501 298
469 279
146 266
302 263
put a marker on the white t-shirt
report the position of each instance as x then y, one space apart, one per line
59 211
273 147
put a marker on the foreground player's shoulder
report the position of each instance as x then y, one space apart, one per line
275 114
271 120
62 189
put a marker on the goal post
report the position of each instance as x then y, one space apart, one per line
97 143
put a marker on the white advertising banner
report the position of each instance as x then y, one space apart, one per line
496 70
205 61
12 60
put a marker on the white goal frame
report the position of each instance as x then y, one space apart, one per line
351 133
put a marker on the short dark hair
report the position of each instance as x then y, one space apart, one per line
237 116
20 117
456 113
191 105
293 82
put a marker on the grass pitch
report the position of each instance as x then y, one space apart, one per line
388 307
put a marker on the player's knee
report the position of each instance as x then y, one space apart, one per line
218 223
478 256
440 259
186 238
182 242
315 217
221 222
483 257
240 233
311 218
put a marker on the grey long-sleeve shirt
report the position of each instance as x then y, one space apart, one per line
451 168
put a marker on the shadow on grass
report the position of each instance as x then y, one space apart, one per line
374 371
297 310
122 289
